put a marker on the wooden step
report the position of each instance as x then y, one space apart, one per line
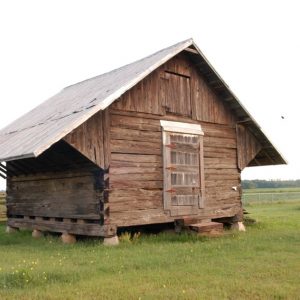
208 228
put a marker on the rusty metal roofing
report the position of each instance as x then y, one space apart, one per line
36 131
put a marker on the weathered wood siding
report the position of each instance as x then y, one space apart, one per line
60 190
136 174
59 194
92 139
176 87
248 146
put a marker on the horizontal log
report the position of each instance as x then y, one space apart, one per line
221 171
140 217
222 183
134 170
224 150
57 185
138 158
213 130
224 156
51 175
135 192
136 123
221 176
118 133
145 184
217 161
122 164
73 228
130 203
136 147
84 211
220 165
136 176
66 197
183 211
219 142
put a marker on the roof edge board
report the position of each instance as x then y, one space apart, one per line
10 158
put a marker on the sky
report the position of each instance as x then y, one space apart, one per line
254 45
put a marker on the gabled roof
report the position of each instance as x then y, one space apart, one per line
36 131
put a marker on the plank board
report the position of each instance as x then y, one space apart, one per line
248 146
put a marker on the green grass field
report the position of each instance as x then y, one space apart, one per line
270 195
263 263
271 190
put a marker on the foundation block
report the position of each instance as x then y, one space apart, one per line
68 238
11 230
37 234
239 226
111 241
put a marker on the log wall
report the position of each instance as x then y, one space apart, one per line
59 191
136 174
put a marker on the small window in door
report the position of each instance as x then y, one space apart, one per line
183 168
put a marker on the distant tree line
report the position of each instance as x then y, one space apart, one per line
257 183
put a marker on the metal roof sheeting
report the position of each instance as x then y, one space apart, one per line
36 131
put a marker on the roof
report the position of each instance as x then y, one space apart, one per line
36 131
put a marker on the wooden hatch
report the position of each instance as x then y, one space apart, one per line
183 168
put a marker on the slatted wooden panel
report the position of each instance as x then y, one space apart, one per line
88 139
182 184
144 97
206 104
178 65
247 145
92 139
175 89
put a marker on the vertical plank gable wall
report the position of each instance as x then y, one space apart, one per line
136 175
92 139
248 146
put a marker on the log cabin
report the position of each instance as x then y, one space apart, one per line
160 140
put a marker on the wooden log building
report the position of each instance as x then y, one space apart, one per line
155 141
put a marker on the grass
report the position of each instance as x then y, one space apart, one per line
263 263
272 190
270 195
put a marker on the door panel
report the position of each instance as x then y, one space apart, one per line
182 182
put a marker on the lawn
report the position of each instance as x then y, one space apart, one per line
272 190
263 263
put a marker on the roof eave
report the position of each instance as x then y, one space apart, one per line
16 157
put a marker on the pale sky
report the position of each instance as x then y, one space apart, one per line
254 46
